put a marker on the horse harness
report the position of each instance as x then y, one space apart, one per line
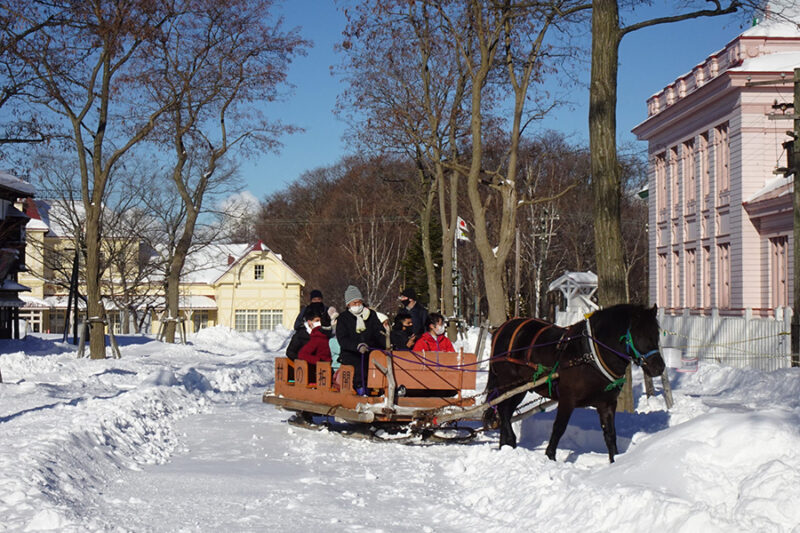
589 356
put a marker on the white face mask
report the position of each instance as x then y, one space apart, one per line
439 329
316 324
356 309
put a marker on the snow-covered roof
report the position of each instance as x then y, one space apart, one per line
32 302
191 301
11 285
773 188
13 183
207 264
781 20
211 262
777 62
576 279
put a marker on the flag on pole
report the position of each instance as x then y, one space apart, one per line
462 230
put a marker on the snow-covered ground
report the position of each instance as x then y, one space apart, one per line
175 438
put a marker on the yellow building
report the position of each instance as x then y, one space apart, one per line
246 287
243 286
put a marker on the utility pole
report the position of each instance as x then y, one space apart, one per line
796 225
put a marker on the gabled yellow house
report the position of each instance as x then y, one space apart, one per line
246 287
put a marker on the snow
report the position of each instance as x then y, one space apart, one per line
776 62
13 183
176 438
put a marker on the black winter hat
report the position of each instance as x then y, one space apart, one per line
316 293
409 293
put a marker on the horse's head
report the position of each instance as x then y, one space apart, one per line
641 341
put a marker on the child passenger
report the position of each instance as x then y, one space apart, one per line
317 348
434 339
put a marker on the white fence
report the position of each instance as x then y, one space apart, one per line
760 343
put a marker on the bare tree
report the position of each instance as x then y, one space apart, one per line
375 250
89 72
216 67
501 43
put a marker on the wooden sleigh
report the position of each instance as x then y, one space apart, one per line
403 386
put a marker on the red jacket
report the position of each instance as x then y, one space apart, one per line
429 344
317 348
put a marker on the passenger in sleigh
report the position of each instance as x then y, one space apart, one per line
317 348
402 334
358 330
434 339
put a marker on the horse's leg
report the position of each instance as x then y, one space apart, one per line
606 412
559 426
505 410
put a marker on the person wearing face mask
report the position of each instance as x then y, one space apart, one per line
302 333
358 330
317 348
402 335
434 340
419 315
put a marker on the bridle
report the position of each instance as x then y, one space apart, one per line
632 354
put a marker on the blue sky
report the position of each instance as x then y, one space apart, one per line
649 60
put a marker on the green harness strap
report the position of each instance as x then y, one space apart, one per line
616 384
550 379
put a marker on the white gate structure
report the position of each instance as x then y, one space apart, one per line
738 341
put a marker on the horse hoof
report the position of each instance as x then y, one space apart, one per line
550 455
490 419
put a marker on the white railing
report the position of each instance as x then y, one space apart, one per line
743 342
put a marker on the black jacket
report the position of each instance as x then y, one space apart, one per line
399 339
299 339
349 340
418 315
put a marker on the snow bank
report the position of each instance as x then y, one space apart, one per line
81 440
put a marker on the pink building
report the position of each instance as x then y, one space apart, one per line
720 218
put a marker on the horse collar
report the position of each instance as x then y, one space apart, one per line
595 357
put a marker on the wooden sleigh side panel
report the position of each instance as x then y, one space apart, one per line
296 390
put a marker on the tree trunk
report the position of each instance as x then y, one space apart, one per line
602 143
174 276
94 307
430 268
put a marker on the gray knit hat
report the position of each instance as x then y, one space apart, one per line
352 293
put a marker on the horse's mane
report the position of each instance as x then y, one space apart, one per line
618 317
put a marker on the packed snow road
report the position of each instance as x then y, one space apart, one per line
175 438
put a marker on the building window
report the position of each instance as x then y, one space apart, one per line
674 181
724 277
676 275
254 319
691 279
246 320
258 272
689 163
57 318
662 279
661 182
705 176
199 320
114 322
779 247
33 318
707 277
723 158
271 318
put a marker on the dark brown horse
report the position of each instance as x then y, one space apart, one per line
590 357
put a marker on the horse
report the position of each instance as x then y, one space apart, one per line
590 358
